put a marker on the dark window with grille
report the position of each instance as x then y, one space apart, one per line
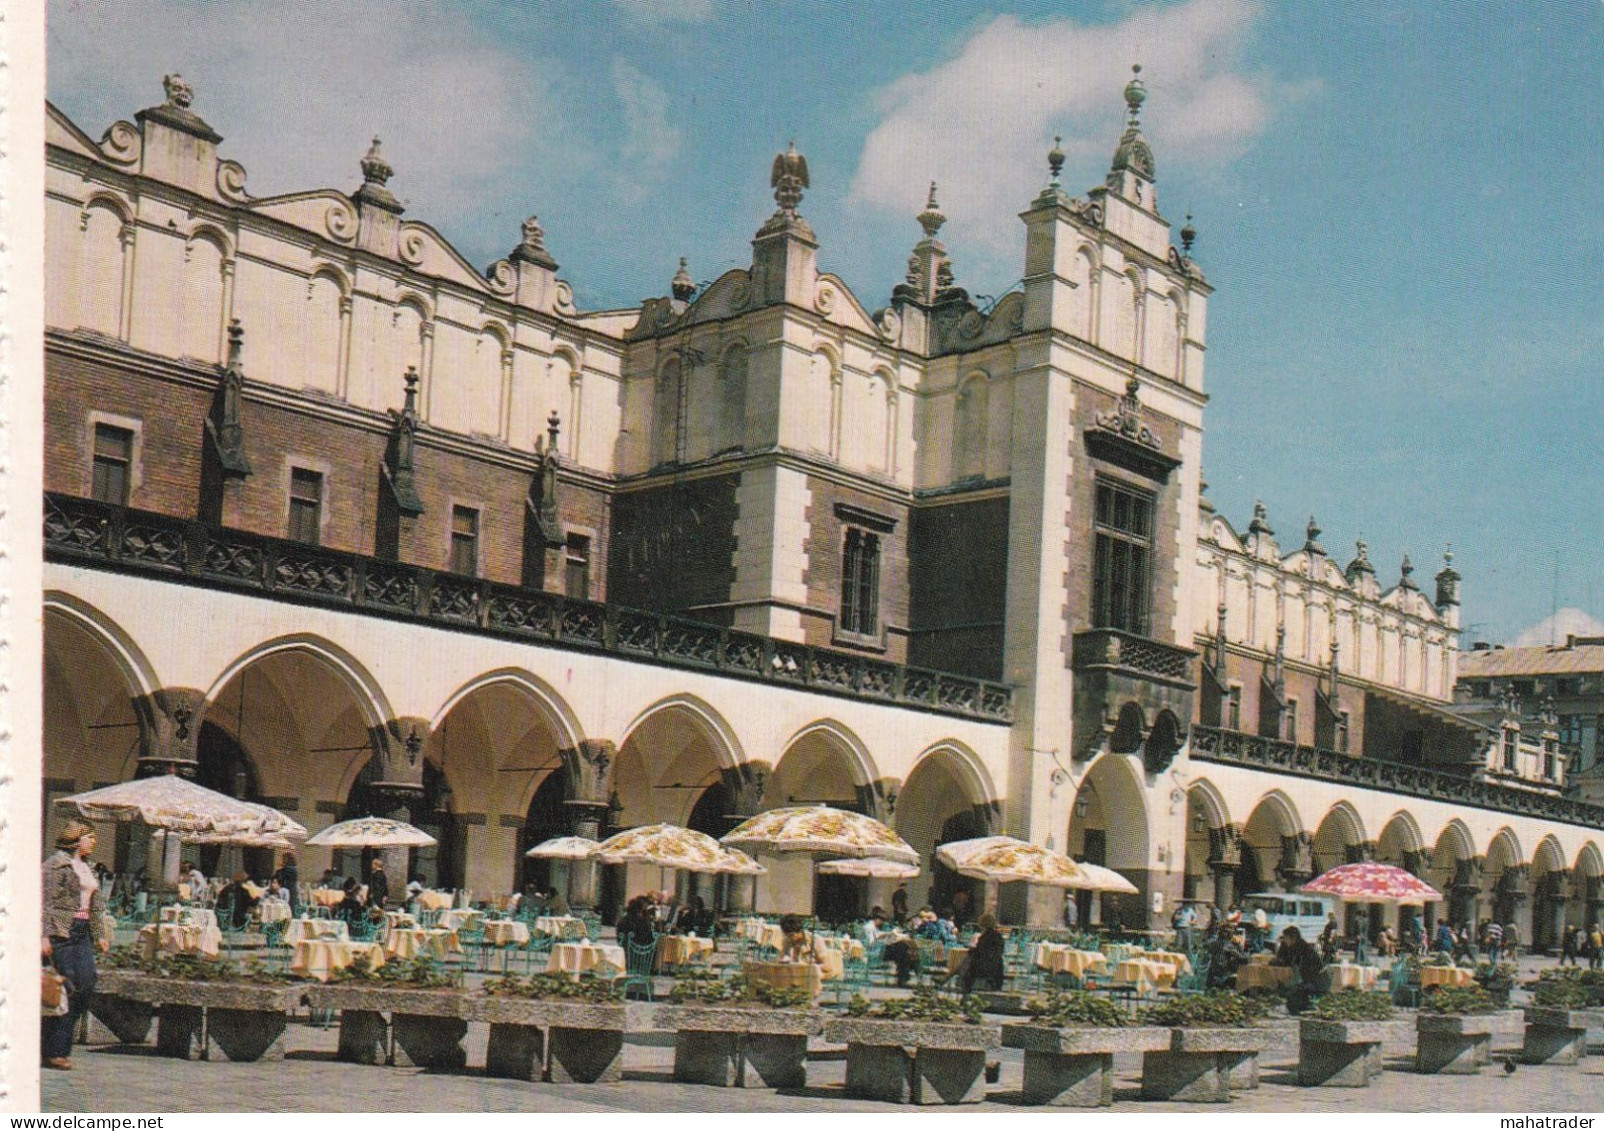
306 505
114 458
1233 708
860 583
465 541
1511 749
1550 760
577 575
1123 569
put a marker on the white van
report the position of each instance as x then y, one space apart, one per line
1305 912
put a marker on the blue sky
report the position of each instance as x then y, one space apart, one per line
1400 204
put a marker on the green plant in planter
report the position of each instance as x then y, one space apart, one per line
1353 1005
925 1005
418 973
1566 994
1459 999
1076 1007
558 987
123 958
705 988
1217 1009
1496 980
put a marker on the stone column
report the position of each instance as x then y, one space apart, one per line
169 731
588 776
1297 860
1225 857
399 790
744 785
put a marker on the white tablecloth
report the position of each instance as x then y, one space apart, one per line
300 929
179 938
577 958
506 932
434 900
327 897
1060 958
411 942
456 918
1347 976
560 926
318 958
195 916
273 911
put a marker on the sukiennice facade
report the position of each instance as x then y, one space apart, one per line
338 521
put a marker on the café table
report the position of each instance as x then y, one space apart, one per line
434 900
1060 958
273 911
1181 963
1349 976
849 947
327 897
764 933
1262 976
574 958
1446 976
180 938
1144 974
414 942
560 926
506 932
319 958
1119 952
677 950
786 975
456 918
253 889
955 958
403 920
316 929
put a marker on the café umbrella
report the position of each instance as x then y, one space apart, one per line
167 801
1372 882
563 848
869 868
666 846
734 862
1004 860
371 832
1098 878
820 830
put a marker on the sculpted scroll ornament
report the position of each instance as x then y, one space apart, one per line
411 247
231 181
565 298
889 323
340 221
121 144
824 299
502 278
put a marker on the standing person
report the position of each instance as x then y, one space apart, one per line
960 906
1567 946
1595 947
1071 909
1445 938
1296 952
74 927
1493 940
1511 941
289 878
1261 930
1329 937
899 904
378 885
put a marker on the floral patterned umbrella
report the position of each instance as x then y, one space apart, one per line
1099 878
167 801
563 848
666 846
823 830
873 869
1372 883
1003 859
734 862
372 832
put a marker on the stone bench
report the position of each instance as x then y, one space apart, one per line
719 1045
918 1062
244 1019
1204 1065
1557 1036
1459 1044
127 1020
563 1042
1074 1066
1342 1054
427 1024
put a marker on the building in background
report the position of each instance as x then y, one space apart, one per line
343 523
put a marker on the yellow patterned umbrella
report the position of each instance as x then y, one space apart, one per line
666 846
821 830
734 862
372 832
872 869
1003 859
1099 878
167 801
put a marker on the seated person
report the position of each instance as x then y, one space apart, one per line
556 905
331 879
275 891
351 908
1226 956
235 903
876 925
692 918
1304 959
638 926
191 875
983 965
415 888
799 945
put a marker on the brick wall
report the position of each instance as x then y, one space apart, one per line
826 544
958 580
673 546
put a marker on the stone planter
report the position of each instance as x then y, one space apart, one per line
585 1039
919 1062
720 1045
128 1021
1456 1043
1204 1065
427 1025
245 1019
1557 1036
1341 1054
1074 1066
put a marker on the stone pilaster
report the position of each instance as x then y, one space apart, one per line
588 778
170 722
1297 860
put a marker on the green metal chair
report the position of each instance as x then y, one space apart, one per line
640 960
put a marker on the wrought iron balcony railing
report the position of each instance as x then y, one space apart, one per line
1212 744
85 532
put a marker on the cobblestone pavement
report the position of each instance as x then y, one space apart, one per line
308 1078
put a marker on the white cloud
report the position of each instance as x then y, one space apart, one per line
651 141
667 11
982 122
298 91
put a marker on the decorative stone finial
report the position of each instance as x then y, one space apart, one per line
1135 92
554 427
1313 533
534 236
1055 157
409 406
375 169
179 92
1404 570
788 178
1261 519
932 217
236 342
1188 235
683 285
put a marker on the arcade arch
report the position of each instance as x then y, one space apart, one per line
1109 826
945 798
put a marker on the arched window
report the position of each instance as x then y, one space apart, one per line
969 429
732 400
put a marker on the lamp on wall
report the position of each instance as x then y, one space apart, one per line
1080 807
1199 823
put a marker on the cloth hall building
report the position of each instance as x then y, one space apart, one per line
339 521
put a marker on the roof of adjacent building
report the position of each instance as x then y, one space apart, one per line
1575 656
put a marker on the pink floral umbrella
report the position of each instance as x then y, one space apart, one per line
1372 883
